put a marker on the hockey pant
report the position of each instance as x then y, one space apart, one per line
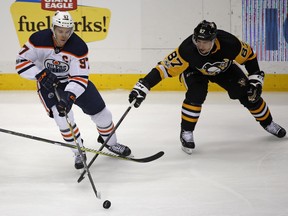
91 104
233 80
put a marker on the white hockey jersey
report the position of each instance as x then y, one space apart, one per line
70 63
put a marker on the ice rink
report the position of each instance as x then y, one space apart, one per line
237 168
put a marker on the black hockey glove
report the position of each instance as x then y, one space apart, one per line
65 103
139 92
255 86
47 79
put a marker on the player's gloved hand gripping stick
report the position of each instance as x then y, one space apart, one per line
139 92
47 79
255 86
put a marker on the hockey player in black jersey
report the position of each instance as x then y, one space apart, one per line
211 54
58 57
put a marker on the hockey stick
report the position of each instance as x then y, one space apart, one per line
97 193
108 138
139 160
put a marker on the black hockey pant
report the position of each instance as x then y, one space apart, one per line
90 101
233 80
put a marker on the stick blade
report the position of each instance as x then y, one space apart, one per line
148 159
80 179
98 194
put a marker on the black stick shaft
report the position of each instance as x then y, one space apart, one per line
37 138
139 160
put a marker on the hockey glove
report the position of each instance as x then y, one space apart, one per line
65 103
47 79
139 92
255 86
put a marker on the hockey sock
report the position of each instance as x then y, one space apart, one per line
261 113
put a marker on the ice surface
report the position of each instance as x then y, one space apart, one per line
237 168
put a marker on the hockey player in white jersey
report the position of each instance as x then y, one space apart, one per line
58 57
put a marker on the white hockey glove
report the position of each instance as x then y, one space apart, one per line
255 86
139 92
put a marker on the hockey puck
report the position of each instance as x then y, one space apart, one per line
106 204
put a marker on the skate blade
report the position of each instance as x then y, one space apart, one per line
80 170
187 150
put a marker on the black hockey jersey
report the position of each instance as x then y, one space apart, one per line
227 49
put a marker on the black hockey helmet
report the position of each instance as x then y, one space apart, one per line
205 31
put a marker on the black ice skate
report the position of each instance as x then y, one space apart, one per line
276 130
187 140
78 160
117 148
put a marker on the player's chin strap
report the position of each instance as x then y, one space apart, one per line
98 195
